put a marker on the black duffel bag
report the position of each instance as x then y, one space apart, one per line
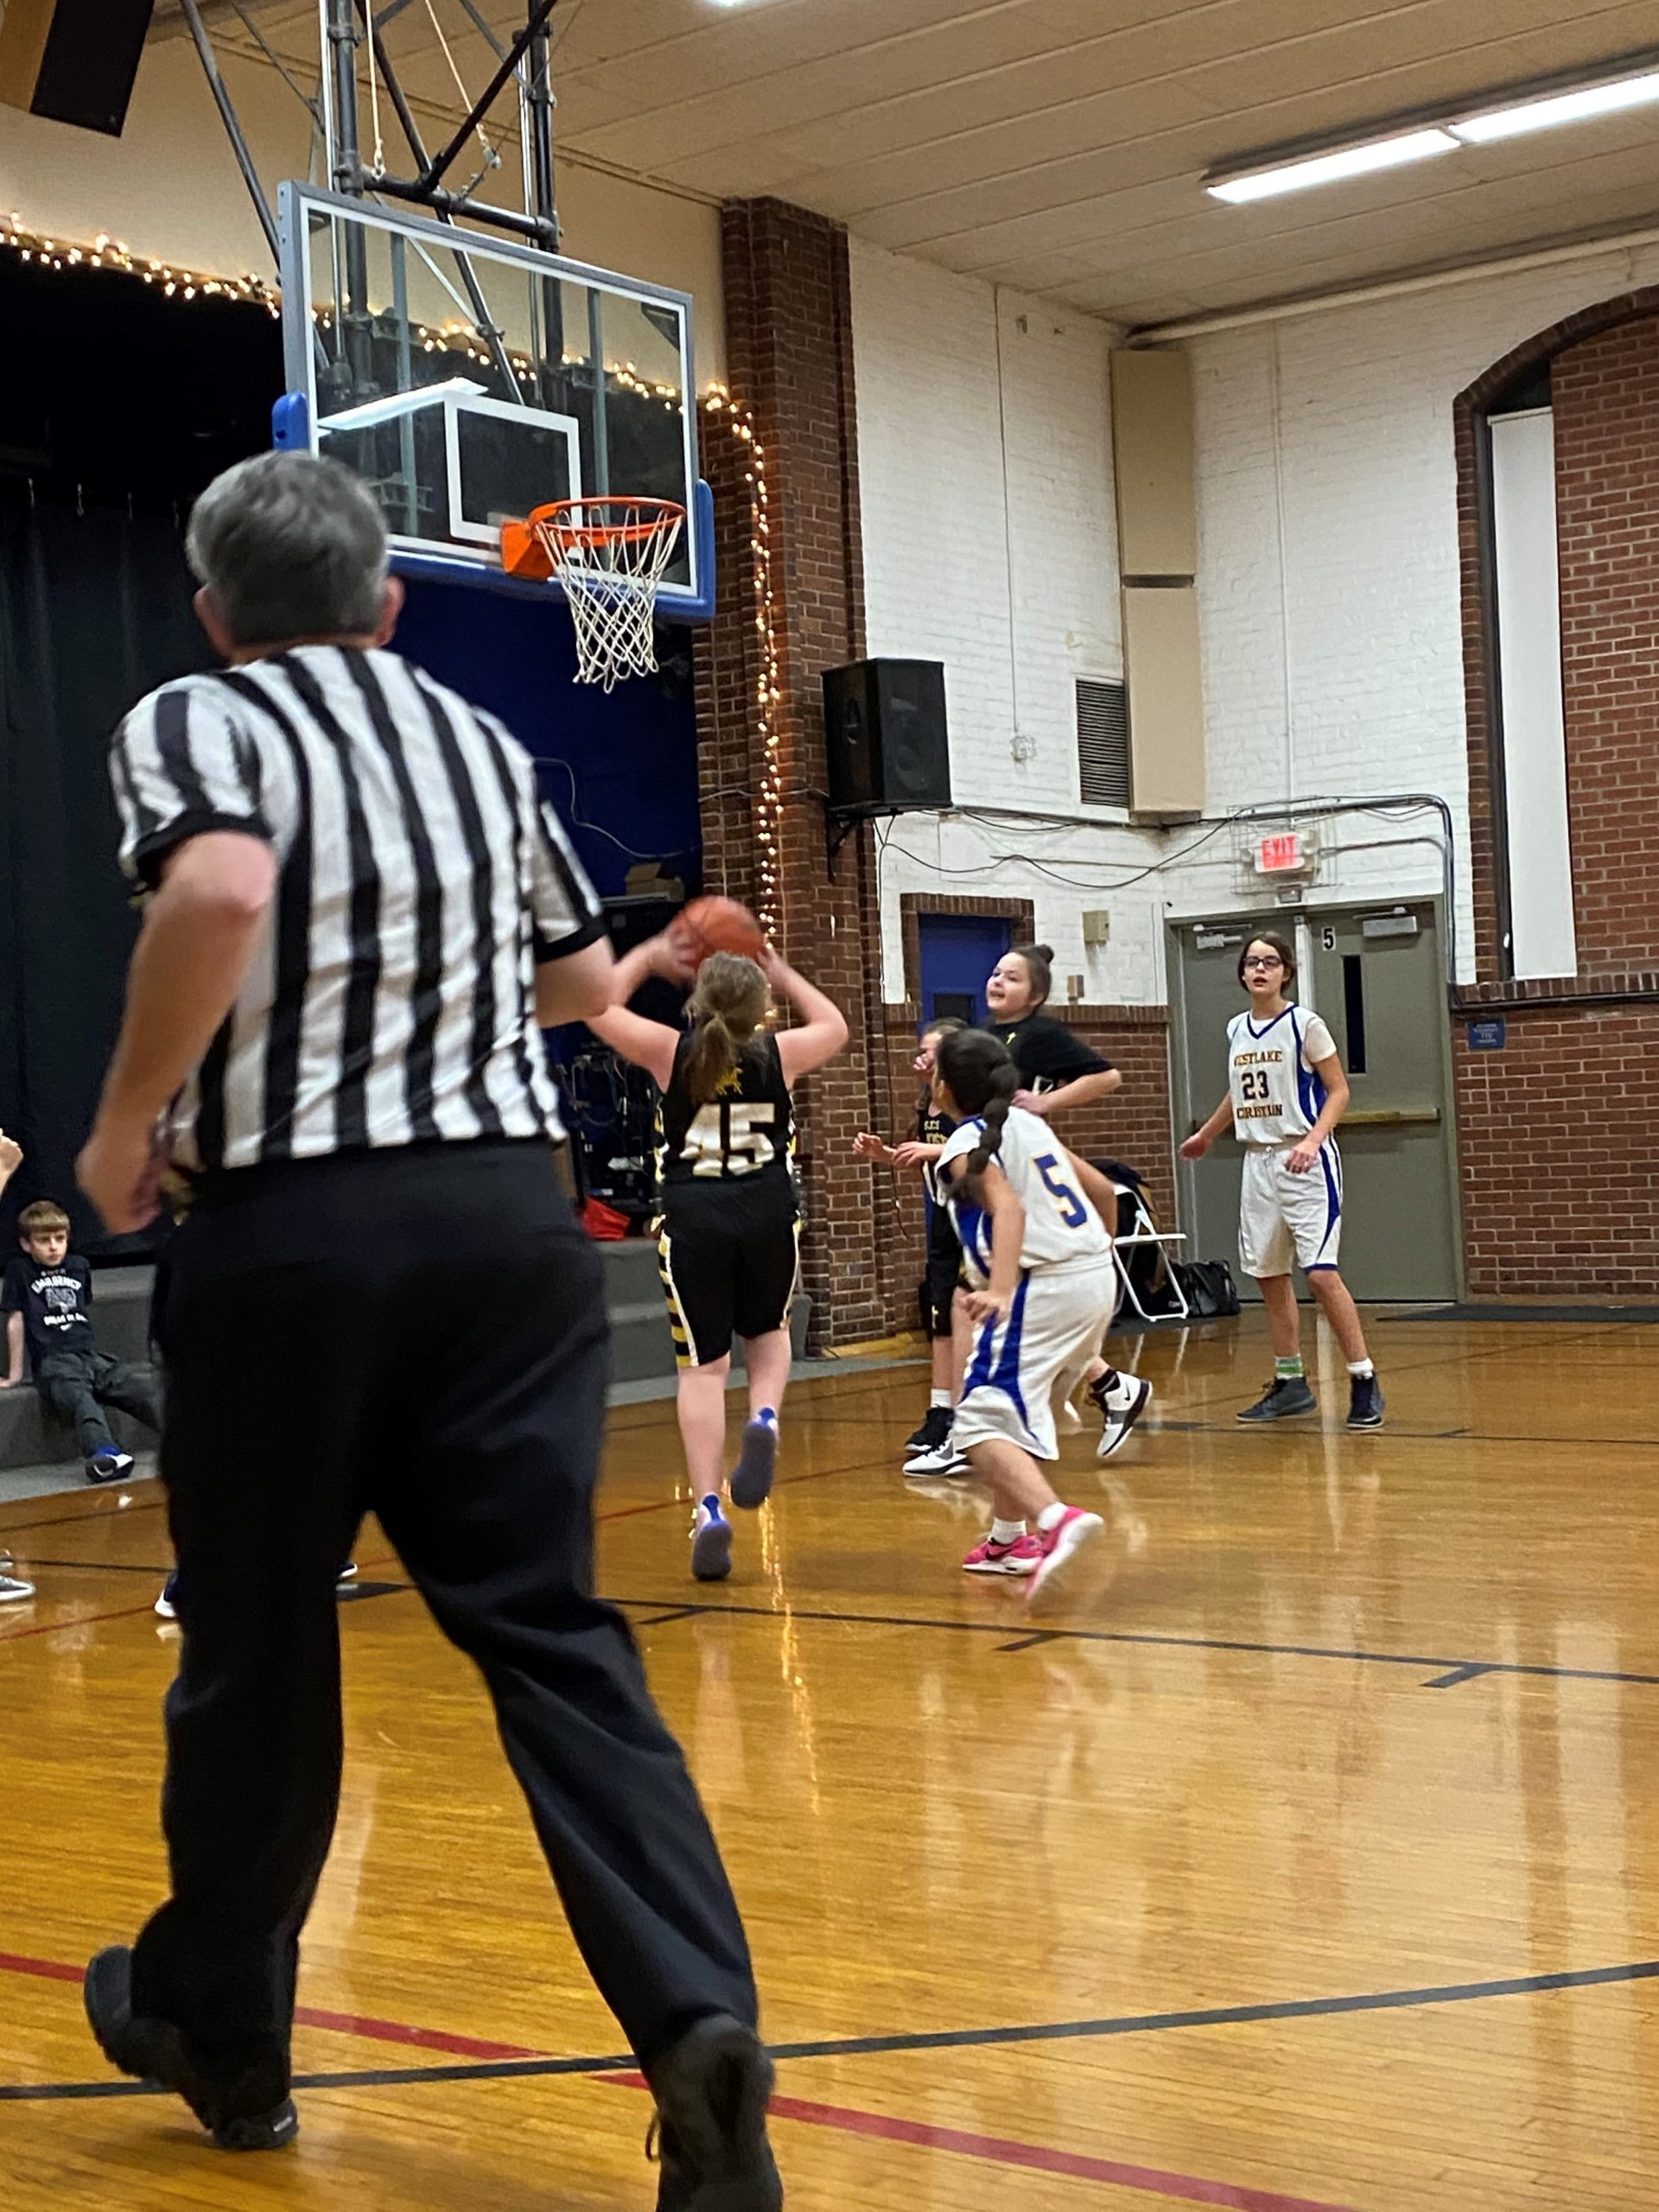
1210 1288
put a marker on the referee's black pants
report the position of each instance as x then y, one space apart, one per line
420 1334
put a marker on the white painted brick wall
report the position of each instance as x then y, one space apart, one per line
1328 579
990 543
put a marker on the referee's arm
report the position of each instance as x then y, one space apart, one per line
199 931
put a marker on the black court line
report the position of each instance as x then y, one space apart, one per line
1458 1674
1126 2023
1466 1669
79 1519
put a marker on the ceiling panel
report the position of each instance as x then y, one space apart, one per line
1060 145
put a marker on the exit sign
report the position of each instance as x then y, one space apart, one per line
1283 854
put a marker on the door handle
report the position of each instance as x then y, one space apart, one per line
1392 1118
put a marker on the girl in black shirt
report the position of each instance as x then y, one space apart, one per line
1058 1071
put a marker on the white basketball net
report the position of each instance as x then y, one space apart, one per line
611 555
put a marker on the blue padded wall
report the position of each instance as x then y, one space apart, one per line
632 754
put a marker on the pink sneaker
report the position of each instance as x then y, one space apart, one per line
1023 1556
1059 1545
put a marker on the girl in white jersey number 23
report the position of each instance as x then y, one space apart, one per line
1285 1093
1042 1289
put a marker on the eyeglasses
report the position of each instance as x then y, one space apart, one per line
1264 960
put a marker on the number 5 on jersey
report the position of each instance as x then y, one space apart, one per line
728 1138
1070 1208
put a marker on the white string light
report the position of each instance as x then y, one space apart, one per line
105 252
768 693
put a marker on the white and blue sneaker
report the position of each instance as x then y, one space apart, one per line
756 1462
167 1605
711 1542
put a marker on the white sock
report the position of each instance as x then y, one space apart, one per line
1361 1369
1052 1515
1006 1532
939 1398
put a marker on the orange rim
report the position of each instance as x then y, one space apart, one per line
639 520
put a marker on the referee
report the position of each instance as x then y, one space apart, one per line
358 913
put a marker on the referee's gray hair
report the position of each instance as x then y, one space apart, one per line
290 546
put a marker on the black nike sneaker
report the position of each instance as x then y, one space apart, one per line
933 1432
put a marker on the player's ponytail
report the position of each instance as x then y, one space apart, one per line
982 1079
727 1004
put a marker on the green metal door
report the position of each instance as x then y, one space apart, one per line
1375 975
1379 979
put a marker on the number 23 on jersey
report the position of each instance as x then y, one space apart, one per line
729 1138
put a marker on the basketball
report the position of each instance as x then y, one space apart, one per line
716 925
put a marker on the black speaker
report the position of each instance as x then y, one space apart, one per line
72 61
888 743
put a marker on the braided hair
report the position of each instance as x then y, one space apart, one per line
980 1076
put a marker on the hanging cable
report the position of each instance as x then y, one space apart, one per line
378 168
491 158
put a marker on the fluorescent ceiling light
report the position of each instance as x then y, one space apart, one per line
1331 169
1558 108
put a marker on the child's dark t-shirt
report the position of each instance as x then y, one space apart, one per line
55 1303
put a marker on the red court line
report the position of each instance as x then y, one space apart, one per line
996 2150
1185 2188
345 2023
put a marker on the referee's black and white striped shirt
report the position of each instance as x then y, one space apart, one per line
392 999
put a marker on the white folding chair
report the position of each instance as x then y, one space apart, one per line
1146 1232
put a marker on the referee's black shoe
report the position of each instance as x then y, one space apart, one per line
241 2113
711 2089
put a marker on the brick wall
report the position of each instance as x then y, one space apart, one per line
789 342
1569 1098
1569 1089
1606 403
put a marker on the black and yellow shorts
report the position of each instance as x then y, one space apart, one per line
729 1259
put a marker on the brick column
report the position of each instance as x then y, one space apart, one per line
789 349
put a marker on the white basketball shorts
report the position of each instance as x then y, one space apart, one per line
1284 1218
1051 1334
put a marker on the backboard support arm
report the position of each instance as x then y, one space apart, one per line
487 330
436 170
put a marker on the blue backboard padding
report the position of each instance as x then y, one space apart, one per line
290 424
633 752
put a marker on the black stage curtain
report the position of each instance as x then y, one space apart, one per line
94 610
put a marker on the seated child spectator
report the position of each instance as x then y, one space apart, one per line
13 1588
47 1298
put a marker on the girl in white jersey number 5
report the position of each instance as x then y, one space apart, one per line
1285 1093
1043 1288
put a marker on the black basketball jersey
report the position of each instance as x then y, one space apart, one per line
745 1135
932 1127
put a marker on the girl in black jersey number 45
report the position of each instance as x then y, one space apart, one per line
728 1245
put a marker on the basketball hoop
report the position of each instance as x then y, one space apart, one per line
610 554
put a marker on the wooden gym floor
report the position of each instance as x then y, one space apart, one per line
1308 1859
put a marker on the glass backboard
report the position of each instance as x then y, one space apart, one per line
468 380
